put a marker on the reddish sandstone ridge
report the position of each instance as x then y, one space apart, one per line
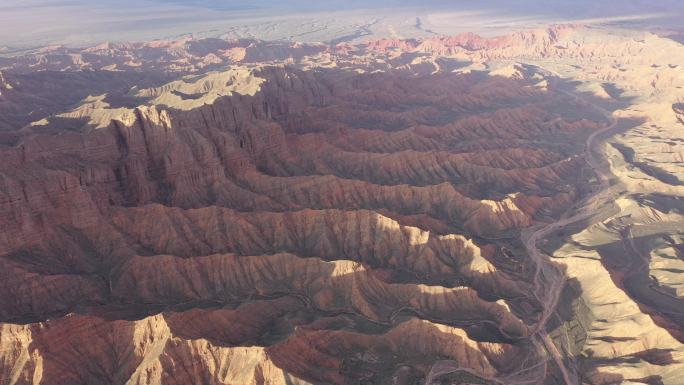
277 226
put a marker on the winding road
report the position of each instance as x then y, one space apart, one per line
548 279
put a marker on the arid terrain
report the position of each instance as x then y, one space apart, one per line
437 210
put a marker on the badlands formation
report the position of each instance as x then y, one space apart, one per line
449 210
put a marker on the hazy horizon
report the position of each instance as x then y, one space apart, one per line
34 23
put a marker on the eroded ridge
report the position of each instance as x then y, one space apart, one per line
287 226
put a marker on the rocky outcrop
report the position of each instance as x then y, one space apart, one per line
679 110
157 349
